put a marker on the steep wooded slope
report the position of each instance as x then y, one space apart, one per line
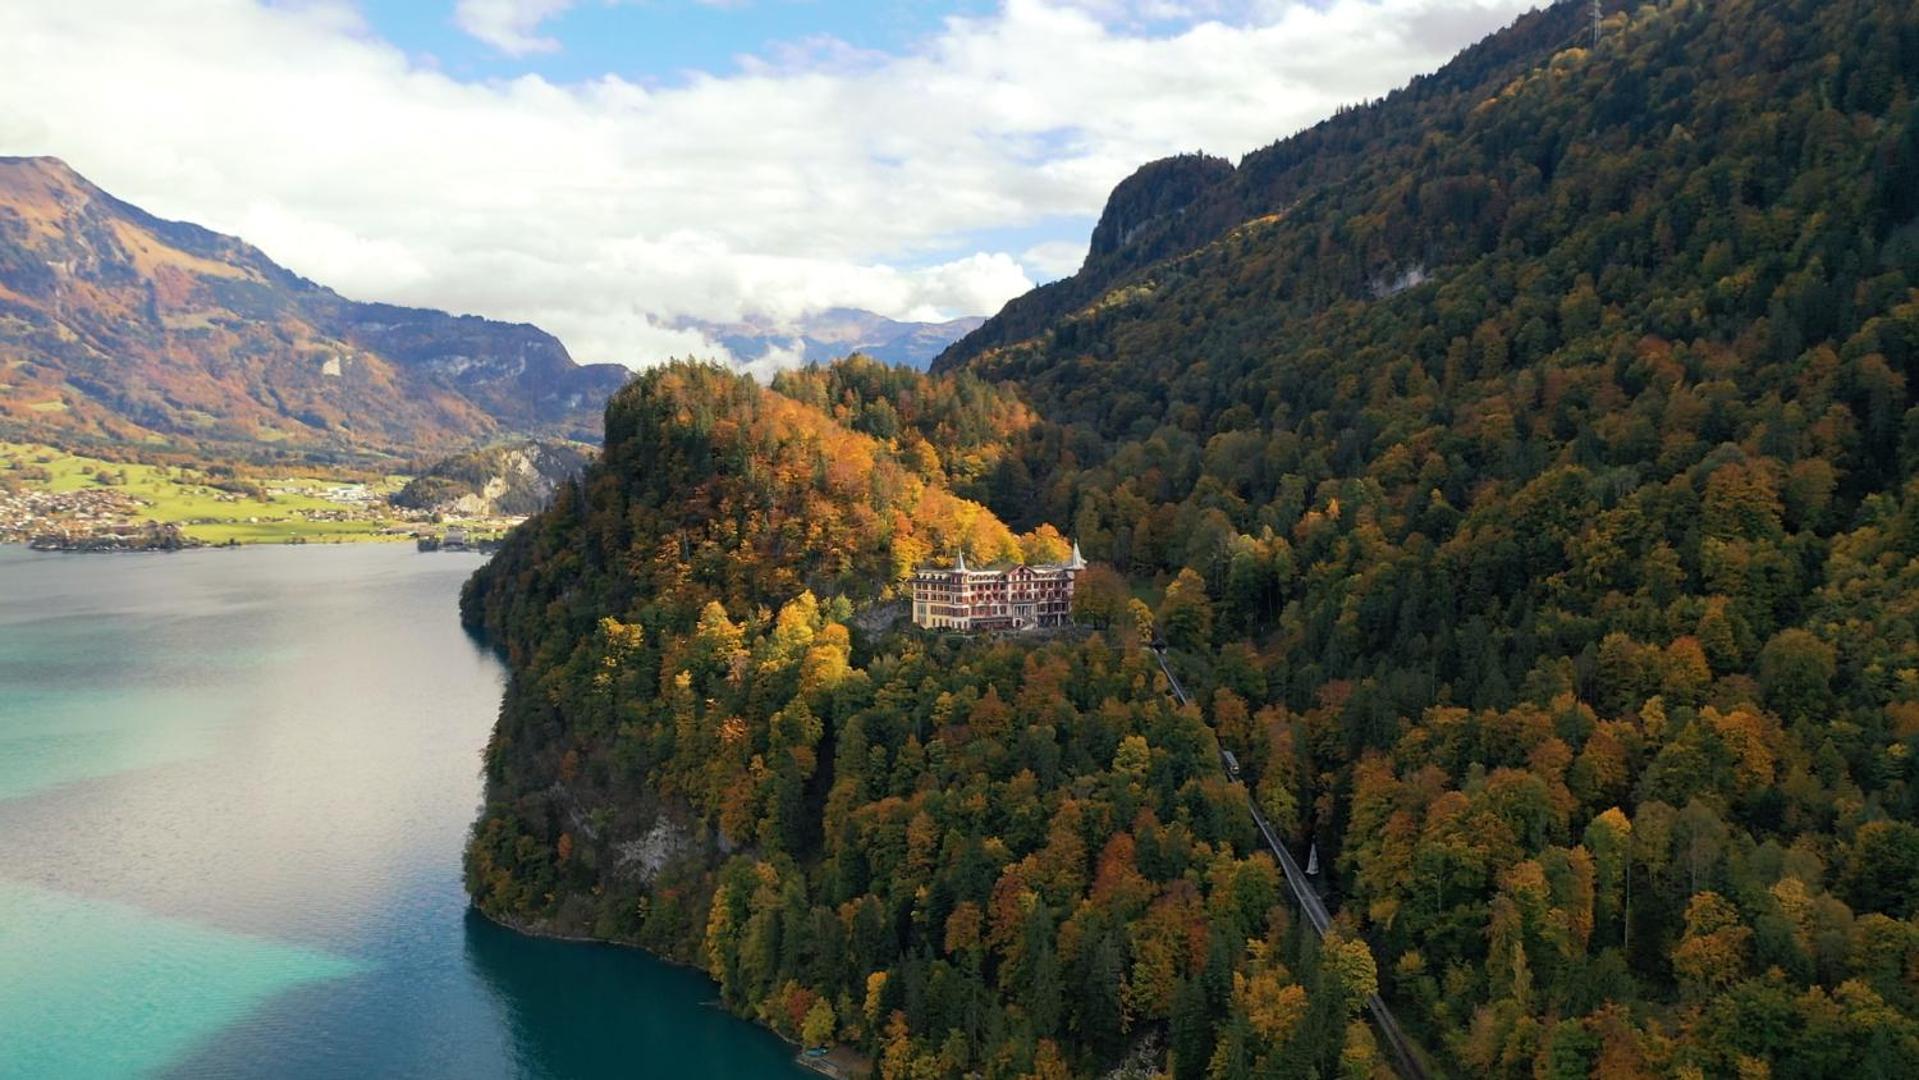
882 840
1176 205
1531 489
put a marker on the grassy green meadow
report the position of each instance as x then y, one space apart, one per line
274 509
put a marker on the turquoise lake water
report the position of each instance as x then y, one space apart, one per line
234 787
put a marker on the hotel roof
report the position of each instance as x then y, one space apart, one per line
1075 562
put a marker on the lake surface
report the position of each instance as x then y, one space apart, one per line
234 786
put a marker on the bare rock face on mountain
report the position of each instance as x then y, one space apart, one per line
496 481
118 326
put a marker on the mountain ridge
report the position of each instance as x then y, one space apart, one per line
118 325
833 333
1210 196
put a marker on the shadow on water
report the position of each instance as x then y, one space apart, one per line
576 1009
516 1007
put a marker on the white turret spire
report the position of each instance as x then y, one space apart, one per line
961 566
1076 562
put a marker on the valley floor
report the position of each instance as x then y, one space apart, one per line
64 500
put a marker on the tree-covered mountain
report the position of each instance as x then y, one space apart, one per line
117 326
1524 471
713 747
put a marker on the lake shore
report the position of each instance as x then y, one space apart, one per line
841 1062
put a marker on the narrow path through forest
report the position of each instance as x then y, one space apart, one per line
1404 1056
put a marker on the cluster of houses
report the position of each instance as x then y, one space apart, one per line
31 512
1016 598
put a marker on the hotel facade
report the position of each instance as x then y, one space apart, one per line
1017 598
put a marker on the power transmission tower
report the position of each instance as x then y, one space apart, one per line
1595 24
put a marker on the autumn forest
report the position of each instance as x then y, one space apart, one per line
1522 474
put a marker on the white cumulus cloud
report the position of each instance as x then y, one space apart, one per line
605 210
510 25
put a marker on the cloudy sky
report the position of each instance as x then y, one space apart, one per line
605 168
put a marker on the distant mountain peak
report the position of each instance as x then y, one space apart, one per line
46 165
833 333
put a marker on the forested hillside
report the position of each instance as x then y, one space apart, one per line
1524 470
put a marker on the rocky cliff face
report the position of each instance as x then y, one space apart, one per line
497 481
1156 194
115 324
1165 207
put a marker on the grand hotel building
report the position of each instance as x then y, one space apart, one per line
1017 598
